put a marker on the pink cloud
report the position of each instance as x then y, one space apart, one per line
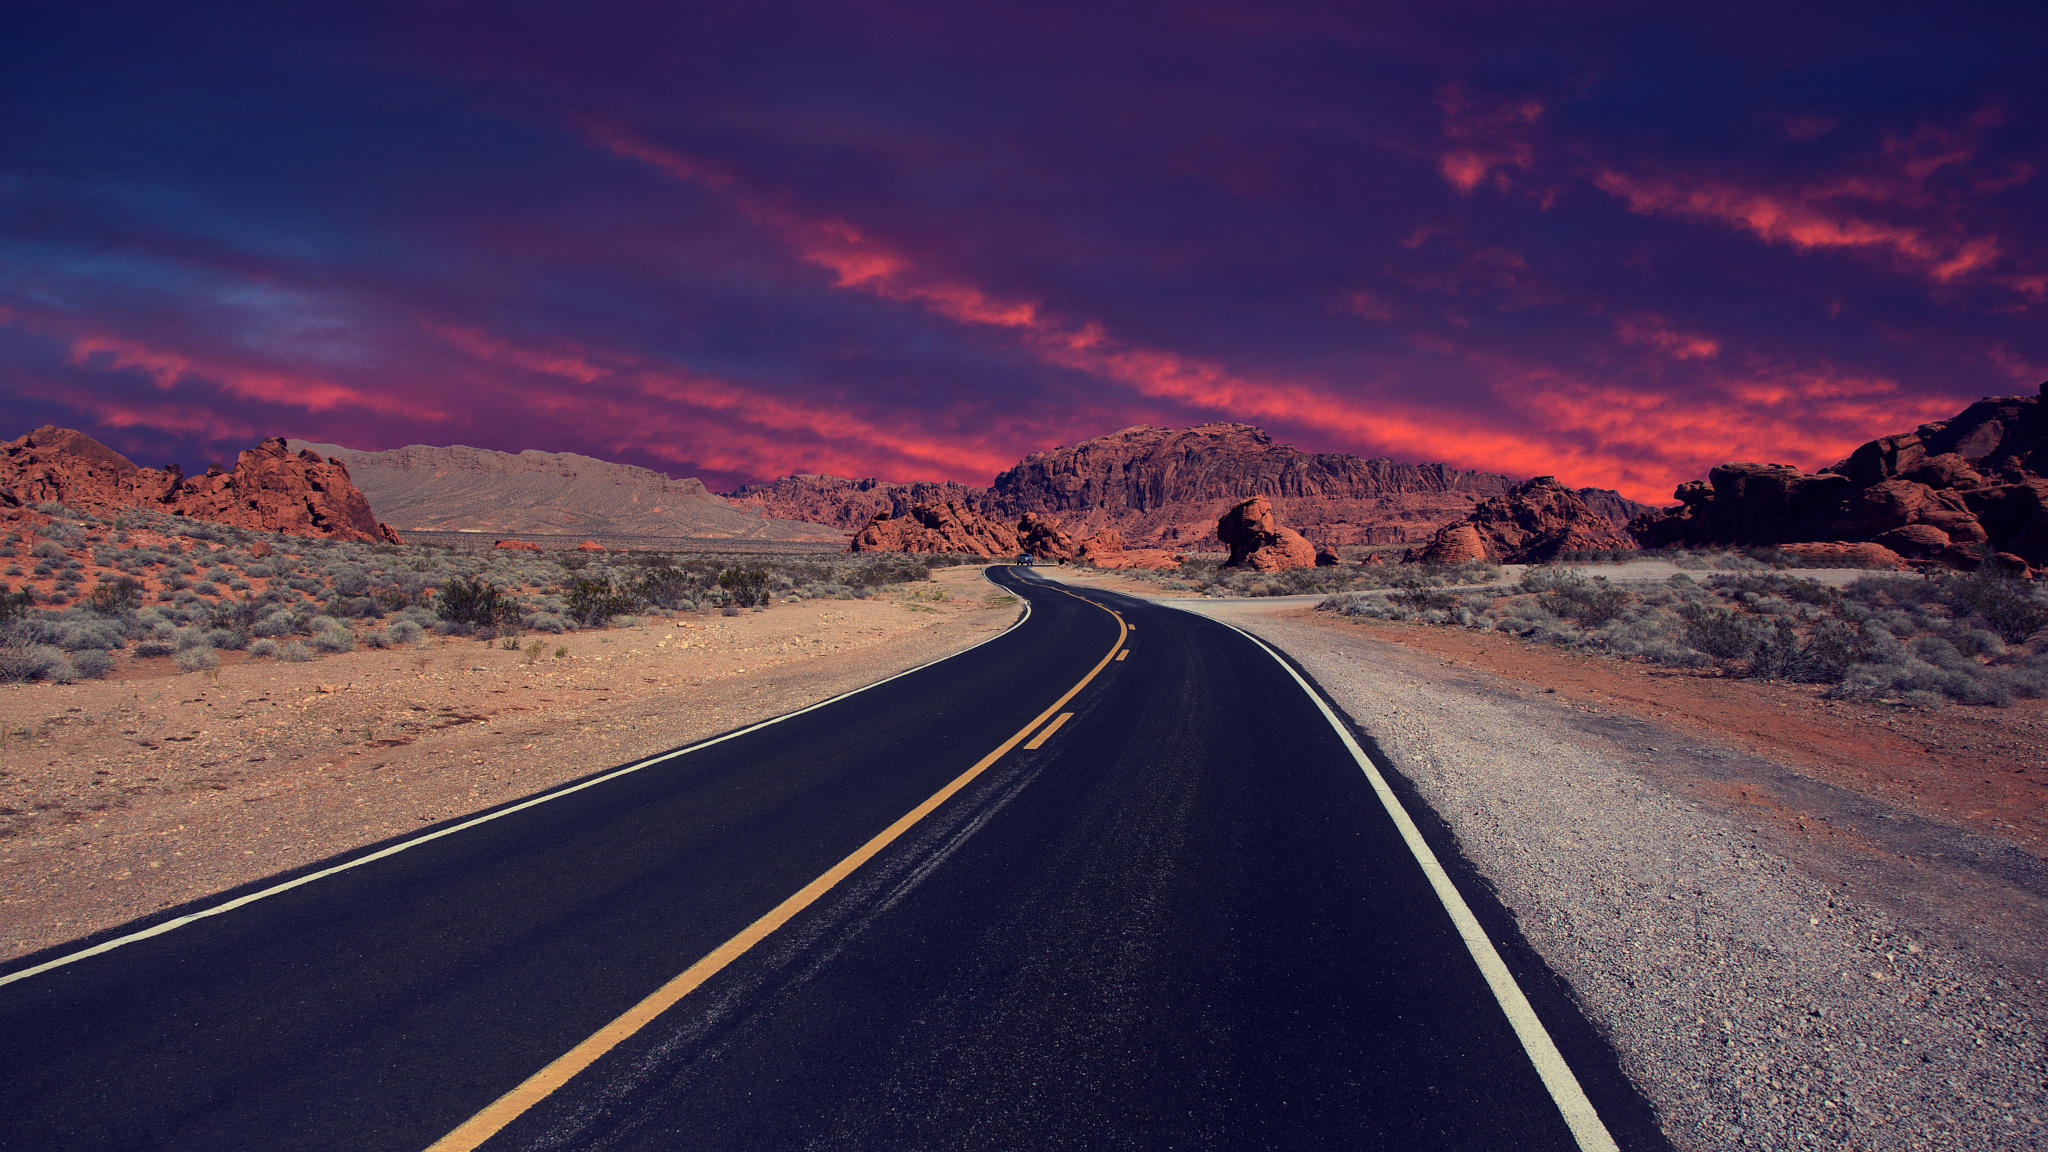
1487 137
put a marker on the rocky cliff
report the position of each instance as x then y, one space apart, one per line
1956 492
457 488
271 488
1163 487
1167 487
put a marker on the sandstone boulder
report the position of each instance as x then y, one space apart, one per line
516 545
1453 544
1259 542
1847 554
1327 558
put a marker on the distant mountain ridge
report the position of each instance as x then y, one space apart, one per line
455 488
1165 487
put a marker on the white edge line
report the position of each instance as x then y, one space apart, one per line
394 849
1578 1111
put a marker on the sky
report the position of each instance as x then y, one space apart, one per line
918 241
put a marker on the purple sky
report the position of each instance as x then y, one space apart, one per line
919 241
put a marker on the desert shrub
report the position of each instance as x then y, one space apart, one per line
729 610
276 624
197 659
23 662
76 633
405 632
116 598
667 587
93 663
1718 632
2006 605
592 600
263 648
1589 602
1416 596
47 550
335 639
1829 652
159 645
227 638
747 587
295 653
475 603
1776 653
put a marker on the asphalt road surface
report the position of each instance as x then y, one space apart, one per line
1178 918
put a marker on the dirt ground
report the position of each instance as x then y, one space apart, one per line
123 796
1983 768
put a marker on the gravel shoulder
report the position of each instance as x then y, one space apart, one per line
1786 955
121 797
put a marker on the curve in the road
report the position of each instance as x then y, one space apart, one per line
472 1133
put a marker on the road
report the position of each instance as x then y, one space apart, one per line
1161 906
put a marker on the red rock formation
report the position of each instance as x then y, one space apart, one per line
1533 523
516 545
590 546
948 527
1953 492
1166 487
1834 553
1257 540
1163 486
270 489
1044 539
1328 558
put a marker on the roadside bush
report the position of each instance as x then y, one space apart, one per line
263 648
747 587
334 639
667 587
114 599
294 653
592 600
1590 602
93 663
197 660
2008 606
405 632
20 663
1718 632
473 603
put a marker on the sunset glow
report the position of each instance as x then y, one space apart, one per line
919 244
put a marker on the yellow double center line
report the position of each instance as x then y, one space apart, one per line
502 1111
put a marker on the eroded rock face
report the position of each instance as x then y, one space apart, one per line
516 545
1165 487
1955 492
1258 541
948 527
271 489
1045 539
1532 523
